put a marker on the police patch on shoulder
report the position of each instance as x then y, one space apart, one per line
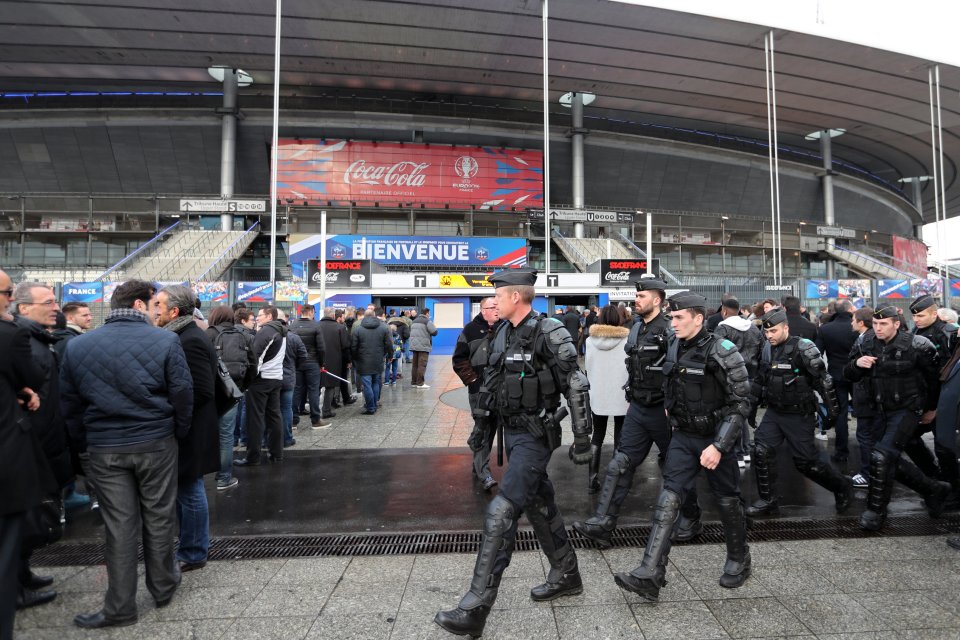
806 341
726 344
553 320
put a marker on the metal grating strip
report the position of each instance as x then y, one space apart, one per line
66 553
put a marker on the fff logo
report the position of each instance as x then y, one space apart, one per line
482 254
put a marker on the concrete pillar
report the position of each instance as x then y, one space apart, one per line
918 203
228 143
577 131
828 214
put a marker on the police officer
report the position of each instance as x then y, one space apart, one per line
645 423
791 369
533 362
470 356
706 395
900 368
943 335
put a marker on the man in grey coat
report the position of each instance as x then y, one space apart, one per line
421 344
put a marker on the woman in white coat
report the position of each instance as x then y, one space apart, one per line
606 366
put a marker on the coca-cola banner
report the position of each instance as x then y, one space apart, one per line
620 272
391 173
341 274
910 256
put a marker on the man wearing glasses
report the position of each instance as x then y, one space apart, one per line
901 370
469 359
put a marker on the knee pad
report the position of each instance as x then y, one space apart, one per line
668 500
619 464
500 516
763 452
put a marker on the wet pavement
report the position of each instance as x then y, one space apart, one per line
406 469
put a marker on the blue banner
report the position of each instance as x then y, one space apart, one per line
82 292
822 289
254 292
456 250
893 288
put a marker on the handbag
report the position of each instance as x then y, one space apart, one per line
228 393
42 524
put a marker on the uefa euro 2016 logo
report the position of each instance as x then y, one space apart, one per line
481 254
466 167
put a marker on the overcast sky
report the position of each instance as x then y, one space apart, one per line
923 28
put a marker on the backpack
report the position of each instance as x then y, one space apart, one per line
397 347
233 349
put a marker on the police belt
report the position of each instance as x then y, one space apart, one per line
519 422
792 408
704 425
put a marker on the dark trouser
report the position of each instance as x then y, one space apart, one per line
328 393
419 367
797 430
263 413
683 466
138 493
481 442
527 487
308 388
600 430
869 430
642 427
10 531
842 444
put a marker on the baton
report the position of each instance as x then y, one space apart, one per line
333 375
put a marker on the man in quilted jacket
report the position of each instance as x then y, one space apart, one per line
127 395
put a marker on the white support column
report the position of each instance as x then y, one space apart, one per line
546 136
273 156
576 139
228 143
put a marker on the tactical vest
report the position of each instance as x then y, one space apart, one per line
527 384
896 378
942 335
646 351
693 396
788 388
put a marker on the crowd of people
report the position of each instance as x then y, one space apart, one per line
693 382
146 405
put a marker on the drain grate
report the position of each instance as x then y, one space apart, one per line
259 548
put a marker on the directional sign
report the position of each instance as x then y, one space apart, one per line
420 282
223 206
553 280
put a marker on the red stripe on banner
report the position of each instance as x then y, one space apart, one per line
513 256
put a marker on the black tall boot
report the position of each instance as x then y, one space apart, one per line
499 536
765 470
648 578
878 491
564 577
688 525
593 479
918 452
933 492
616 485
736 569
824 474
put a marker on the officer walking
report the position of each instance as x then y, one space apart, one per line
470 356
533 362
706 395
645 423
900 368
791 369
927 323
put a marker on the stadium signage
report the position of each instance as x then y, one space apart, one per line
223 206
579 215
620 272
835 232
341 274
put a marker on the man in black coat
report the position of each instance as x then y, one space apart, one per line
308 378
838 339
371 345
19 475
571 322
35 307
199 452
800 326
335 361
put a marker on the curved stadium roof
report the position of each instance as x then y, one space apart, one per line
656 72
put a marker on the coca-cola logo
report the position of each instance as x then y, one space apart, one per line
622 276
331 276
400 174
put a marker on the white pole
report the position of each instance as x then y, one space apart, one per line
546 137
776 158
323 261
649 242
943 192
773 210
273 161
933 150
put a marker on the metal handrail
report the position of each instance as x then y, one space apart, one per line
643 254
872 260
572 248
226 251
141 248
